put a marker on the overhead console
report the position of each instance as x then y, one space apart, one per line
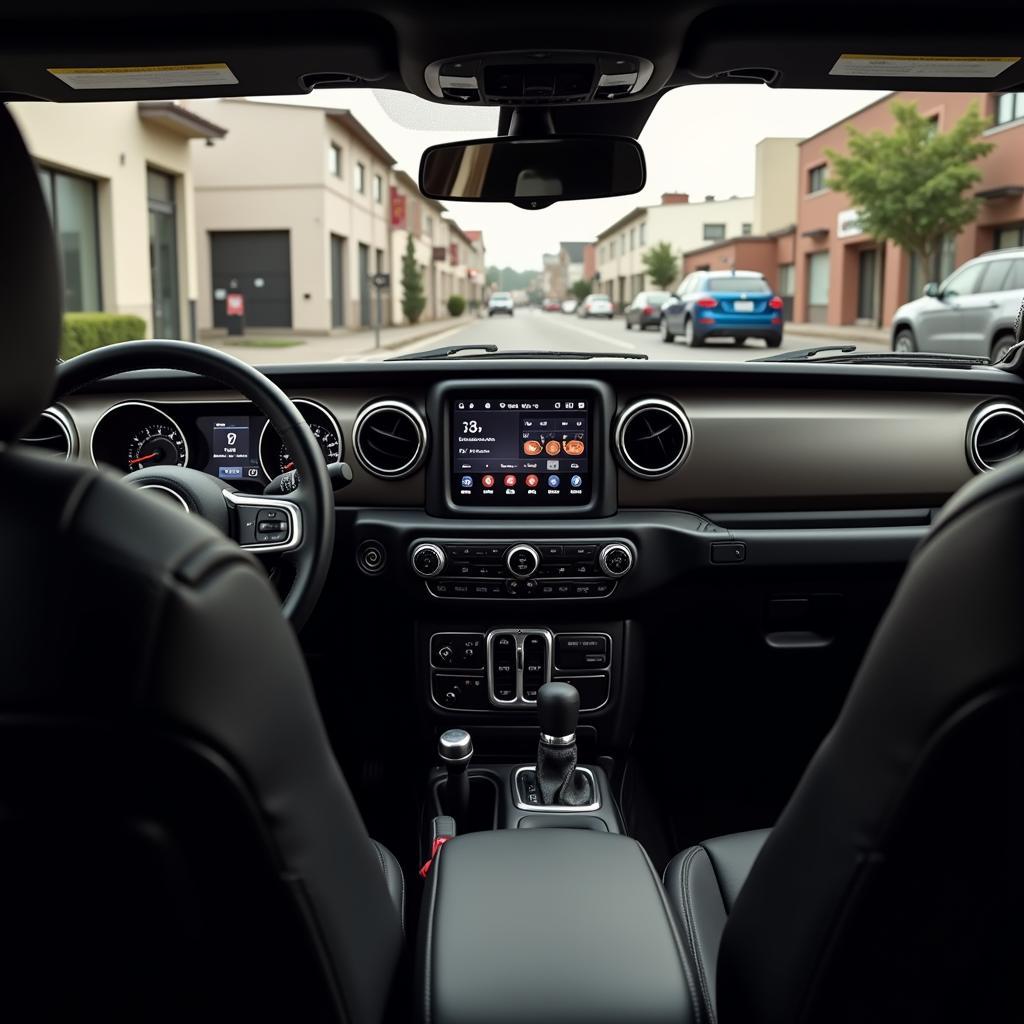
541 78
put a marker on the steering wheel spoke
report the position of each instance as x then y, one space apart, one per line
263 524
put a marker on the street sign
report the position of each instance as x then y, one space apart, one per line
381 280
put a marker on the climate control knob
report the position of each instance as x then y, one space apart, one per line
615 559
522 561
427 560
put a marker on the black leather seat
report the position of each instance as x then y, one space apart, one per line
177 841
891 888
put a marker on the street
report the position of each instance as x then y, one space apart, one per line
533 329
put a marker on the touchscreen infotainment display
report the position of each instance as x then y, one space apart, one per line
521 452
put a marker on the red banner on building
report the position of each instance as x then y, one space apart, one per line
454 250
398 211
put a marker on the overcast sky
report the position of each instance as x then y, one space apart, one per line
700 140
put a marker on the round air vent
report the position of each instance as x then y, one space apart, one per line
390 439
652 438
51 434
995 434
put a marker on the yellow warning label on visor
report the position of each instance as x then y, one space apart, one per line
162 76
879 65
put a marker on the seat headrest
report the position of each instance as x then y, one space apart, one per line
30 291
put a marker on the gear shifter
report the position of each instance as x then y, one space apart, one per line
455 749
558 706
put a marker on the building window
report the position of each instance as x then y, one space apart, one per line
1009 238
378 188
430 228
72 204
360 177
632 239
1009 107
334 160
611 249
933 125
787 279
643 235
746 228
816 178
714 232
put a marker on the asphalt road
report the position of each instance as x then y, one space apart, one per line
533 329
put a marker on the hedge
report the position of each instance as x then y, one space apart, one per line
84 331
456 305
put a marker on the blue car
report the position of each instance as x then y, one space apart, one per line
737 304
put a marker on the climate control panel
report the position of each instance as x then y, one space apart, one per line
529 569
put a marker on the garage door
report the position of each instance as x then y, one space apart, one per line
257 263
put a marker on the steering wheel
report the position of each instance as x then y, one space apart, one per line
306 539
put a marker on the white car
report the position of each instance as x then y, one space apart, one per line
596 305
501 302
569 306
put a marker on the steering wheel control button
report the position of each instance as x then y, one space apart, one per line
371 557
522 561
427 560
272 526
615 560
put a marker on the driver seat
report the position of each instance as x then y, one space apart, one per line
177 841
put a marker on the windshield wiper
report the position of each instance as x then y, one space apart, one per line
492 351
851 355
801 355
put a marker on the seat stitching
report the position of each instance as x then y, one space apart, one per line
691 928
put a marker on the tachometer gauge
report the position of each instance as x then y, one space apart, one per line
156 444
326 438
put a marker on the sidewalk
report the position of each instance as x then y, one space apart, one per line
266 346
853 335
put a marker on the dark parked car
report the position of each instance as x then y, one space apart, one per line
736 304
645 309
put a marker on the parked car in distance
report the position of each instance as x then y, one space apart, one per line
972 312
569 306
552 306
645 310
501 302
596 305
737 304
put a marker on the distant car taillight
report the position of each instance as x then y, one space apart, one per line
707 302
775 302
648 311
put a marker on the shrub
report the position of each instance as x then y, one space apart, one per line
84 331
456 305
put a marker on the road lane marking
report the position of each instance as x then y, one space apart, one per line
627 345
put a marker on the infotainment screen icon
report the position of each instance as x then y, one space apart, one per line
520 453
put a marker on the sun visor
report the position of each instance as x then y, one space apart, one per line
788 48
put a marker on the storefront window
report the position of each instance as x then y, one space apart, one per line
787 279
72 204
1008 238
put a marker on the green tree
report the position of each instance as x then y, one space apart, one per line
910 186
414 300
456 305
581 289
661 265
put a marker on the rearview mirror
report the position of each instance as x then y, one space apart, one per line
931 289
533 173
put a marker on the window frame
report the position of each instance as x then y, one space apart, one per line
360 182
713 237
816 177
378 188
334 168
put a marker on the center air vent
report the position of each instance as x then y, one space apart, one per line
51 434
652 438
995 434
390 439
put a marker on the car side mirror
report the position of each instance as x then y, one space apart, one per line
931 289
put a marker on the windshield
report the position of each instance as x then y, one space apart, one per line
292 229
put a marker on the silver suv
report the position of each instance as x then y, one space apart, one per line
972 312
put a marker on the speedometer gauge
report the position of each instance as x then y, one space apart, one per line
325 437
156 444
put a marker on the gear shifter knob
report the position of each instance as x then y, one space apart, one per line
558 708
455 749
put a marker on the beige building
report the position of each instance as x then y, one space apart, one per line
118 180
292 209
413 215
684 225
776 169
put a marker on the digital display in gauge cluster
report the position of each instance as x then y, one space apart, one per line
232 449
521 452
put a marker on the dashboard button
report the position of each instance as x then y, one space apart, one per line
551 550
371 556
428 560
615 559
522 560
580 550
